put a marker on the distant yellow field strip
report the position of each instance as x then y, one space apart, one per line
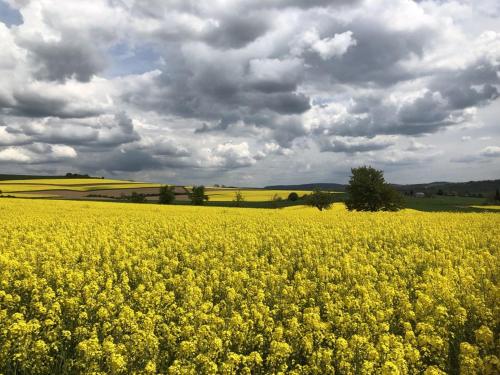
68 181
8 188
257 195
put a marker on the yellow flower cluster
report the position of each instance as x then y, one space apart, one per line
109 288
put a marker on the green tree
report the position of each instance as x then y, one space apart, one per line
293 197
137 197
276 200
322 200
198 197
238 198
368 191
497 195
167 194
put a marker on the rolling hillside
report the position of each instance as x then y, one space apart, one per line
486 187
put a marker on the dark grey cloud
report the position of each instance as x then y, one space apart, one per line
425 112
210 92
97 134
121 161
352 145
447 101
375 59
238 30
70 57
476 84
31 103
302 4
169 148
235 88
486 155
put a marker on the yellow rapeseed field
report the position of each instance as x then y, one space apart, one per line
66 181
251 195
66 184
90 287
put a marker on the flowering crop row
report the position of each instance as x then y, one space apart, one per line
123 288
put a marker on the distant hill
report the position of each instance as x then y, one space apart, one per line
485 188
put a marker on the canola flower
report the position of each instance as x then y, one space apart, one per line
110 288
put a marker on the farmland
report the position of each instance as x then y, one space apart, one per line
109 189
73 188
250 195
89 287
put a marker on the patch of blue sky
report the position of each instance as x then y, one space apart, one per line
125 60
9 16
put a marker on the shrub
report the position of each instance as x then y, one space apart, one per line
275 201
293 197
320 199
198 197
137 197
238 198
167 195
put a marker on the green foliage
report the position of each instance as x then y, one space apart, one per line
76 175
368 191
320 199
238 198
497 195
137 197
276 200
167 194
293 197
197 195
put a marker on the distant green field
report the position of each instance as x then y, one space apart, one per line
487 207
444 203
27 195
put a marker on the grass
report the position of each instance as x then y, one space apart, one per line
436 204
487 207
27 195
448 204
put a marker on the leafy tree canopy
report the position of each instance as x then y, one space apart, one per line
320 199
368 191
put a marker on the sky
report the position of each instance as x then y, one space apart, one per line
251 92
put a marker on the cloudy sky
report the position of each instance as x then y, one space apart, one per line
251 92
